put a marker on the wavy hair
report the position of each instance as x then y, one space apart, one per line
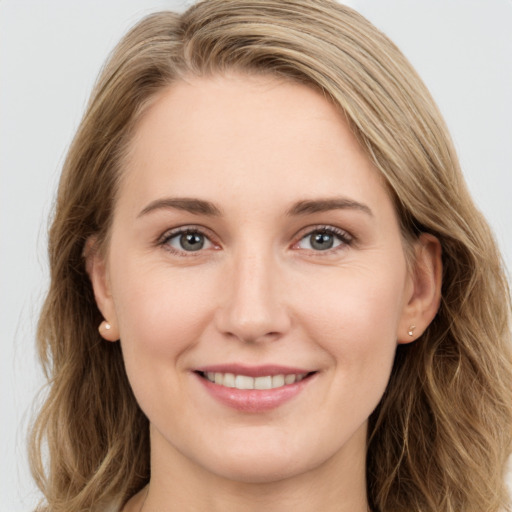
440 438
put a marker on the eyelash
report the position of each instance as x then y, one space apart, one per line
343 236
345 239
164 240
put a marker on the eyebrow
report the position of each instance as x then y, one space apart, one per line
191 205
323 205
305 207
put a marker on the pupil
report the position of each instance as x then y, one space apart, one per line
192 241
322 241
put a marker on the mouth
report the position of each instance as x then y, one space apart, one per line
253 389
247 382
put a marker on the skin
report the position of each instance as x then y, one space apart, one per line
257 293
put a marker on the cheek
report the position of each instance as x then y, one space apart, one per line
358 303
162 315
354 318
161 311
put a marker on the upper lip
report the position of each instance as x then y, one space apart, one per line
252 371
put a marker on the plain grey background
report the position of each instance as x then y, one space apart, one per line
50 54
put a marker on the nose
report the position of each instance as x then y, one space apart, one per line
253 308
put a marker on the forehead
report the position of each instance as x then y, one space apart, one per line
249 136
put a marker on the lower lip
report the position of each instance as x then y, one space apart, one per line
254 400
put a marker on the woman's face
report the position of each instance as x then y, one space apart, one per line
254 245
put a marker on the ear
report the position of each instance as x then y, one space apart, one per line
97 269
424 295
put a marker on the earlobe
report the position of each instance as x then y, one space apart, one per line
108 331
96 268
425 297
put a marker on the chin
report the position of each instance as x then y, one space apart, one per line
259 470
265 459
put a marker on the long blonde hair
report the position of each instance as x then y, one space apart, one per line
440 438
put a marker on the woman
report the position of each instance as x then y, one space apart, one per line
299 306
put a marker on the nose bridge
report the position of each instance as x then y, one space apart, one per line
253 309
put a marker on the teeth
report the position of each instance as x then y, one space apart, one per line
263 382
279 380
289 379
245 382
242 382
229 380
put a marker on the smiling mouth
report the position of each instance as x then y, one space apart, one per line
246 382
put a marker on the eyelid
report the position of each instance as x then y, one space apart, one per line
346 238
164 238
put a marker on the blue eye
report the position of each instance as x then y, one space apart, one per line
324 239
188 241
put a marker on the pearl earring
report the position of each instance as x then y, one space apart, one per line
411 330
104 326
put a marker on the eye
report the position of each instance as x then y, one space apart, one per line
186 240
324 239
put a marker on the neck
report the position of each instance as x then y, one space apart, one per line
177 483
